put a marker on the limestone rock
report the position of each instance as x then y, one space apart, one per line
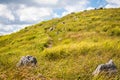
109 68
27 61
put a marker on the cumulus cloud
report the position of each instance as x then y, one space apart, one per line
48 2
5 12
74 6
33 13
6 29
113 3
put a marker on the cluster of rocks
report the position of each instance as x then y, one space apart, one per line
109 68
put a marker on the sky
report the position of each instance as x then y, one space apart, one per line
17 14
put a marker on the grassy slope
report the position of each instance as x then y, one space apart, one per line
68 48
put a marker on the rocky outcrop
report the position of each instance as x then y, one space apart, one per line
109 68
27 61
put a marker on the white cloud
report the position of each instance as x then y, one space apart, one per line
90 8
113 3
65 13
6 29
48 2
80 5
56 15
5 12
33 13
77 6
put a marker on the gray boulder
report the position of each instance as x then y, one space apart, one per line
109 68
27 61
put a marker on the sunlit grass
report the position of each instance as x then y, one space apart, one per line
67 48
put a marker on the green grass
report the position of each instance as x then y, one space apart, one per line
67 48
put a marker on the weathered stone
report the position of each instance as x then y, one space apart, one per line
27 61
63 22
51 28
108 68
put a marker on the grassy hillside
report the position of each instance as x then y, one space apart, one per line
67 48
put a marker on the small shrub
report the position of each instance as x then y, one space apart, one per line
101 8
54 55
114 32
30 38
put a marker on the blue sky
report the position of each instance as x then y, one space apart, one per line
16 14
